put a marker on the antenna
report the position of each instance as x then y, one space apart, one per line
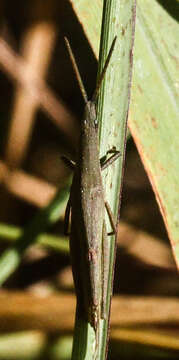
101 77
76 70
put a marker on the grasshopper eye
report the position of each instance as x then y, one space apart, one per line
96 124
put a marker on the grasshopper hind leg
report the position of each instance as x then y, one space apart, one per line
111 219
105 272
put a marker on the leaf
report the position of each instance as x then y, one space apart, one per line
154 109
154 105
118 20
11 258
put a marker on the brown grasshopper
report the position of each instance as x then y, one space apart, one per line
88 239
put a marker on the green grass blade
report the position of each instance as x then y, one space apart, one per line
155 108
112 110
119 19
12 233
11 258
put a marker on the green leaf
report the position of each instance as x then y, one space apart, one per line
154 109
118 20
11 258
154 105
56 243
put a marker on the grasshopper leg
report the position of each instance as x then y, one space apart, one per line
67 216
105 272
106 162
70 163
105 257
111 219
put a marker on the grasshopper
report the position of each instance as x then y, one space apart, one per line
88 235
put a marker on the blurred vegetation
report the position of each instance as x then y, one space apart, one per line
41 108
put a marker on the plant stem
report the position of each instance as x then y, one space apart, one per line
12 233
112 109
11 258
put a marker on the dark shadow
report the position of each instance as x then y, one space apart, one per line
172 7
